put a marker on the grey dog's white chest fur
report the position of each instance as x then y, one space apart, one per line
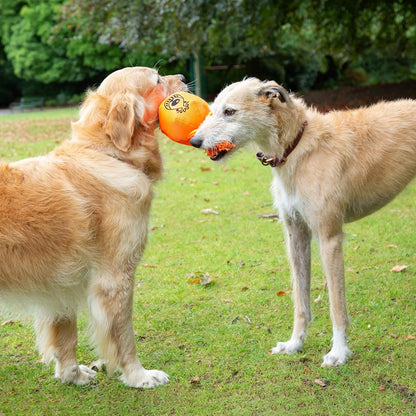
286 199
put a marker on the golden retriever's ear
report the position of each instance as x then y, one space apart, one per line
124 112
271 90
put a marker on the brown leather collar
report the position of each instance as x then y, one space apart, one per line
275 161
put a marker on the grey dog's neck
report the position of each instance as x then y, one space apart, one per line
275 161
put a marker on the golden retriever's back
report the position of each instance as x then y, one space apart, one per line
42 226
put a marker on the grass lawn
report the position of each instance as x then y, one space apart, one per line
214 339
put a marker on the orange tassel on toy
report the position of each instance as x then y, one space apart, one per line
220 147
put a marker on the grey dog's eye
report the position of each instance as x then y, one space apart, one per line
229 112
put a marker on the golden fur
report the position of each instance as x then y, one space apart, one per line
347 165
73 225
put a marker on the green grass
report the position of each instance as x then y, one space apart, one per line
222 332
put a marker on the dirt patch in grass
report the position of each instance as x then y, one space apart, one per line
353 97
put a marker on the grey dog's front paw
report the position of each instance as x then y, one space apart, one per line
337 356
289 347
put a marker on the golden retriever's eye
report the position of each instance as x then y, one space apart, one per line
159 79
229 112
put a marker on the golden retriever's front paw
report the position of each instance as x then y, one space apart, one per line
146 379
76 374
99 365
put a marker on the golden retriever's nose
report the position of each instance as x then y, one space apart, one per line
196 141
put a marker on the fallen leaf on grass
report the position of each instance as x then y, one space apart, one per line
269 216
318 299
205 169
407 337
8 322
194 380
391 246
152 266
281 293
201 278
207 280
320 382
398 268
307 370
209 211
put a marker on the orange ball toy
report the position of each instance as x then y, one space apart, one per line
181 114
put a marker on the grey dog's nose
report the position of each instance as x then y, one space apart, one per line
181 77
196 141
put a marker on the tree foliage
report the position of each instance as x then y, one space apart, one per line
182 28
297 39
43 48
301 42
247 28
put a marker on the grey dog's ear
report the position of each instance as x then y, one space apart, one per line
271 90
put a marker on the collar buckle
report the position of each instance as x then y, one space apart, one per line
276 162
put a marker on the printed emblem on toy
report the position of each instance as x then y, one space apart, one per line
176 102
181 114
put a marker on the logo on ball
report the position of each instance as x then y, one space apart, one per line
177 103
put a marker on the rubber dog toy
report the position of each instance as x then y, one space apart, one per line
181 114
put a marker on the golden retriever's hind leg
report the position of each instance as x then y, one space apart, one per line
111 309
298 238
333 263
57 341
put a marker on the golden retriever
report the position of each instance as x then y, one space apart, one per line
73 226
327 169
